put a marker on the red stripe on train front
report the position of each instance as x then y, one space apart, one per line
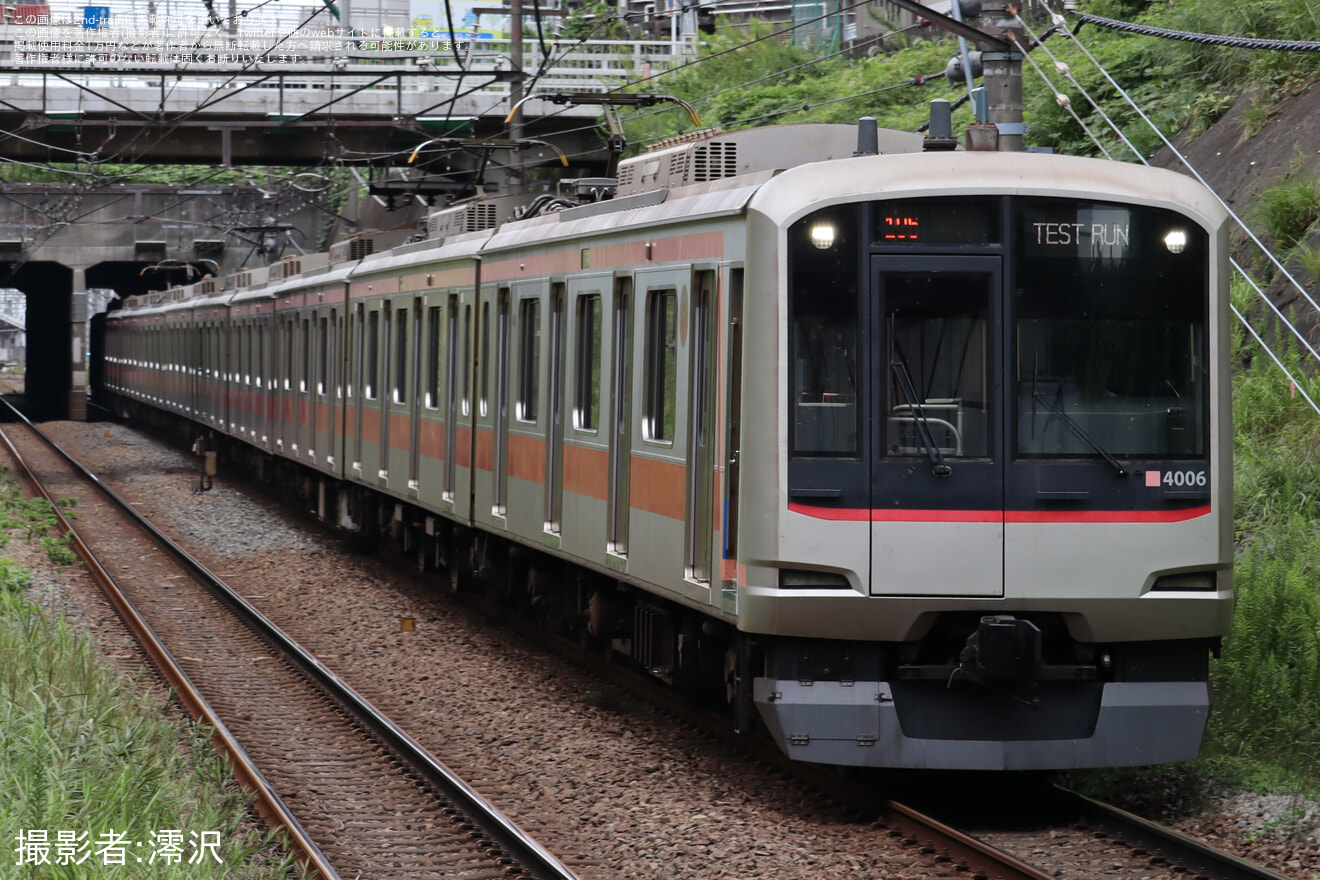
992 516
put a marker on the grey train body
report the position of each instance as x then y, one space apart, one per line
920 459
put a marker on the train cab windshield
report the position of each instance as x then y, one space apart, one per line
1109 306
980 332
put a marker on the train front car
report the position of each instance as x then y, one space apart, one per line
997 412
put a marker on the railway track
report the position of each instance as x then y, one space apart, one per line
1074 836
355 795
1087 843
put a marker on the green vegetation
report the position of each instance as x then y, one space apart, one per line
84 758
812 89
1183 87
35 519
1287 210
1267 684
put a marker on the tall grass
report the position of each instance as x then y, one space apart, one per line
1288 209
83 755
1267 684
79 753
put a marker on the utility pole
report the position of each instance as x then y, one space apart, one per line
1001 59
1003 78
516 89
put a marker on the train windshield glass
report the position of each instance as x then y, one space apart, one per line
823 335
1110 306
936 339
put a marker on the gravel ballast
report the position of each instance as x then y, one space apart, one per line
616 790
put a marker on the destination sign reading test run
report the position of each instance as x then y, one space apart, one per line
1088 232
1066 234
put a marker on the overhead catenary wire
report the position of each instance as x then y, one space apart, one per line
1203 39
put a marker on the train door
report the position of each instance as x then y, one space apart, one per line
264 385
466 431
388 391
451 399
621 417
936 457
554 453
701 434
247 427
415 410
284 393
323 406
499 504
304 438
357 388
227 389
733 427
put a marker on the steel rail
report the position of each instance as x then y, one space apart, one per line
937 839
536 861
269 804
1177 848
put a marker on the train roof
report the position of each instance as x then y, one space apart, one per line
970 173
790 185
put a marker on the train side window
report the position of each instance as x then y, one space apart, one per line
661 366
466 393
373 355
401 357
323 364
433 357
485 359
529 352
586 403
288 355
305 379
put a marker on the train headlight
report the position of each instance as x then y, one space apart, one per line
1175 241
822 235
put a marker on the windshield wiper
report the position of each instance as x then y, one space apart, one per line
938 466
1077 429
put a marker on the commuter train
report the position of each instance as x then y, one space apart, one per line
916 458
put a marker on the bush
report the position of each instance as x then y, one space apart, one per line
1288 209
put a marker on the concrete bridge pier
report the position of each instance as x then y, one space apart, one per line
51 347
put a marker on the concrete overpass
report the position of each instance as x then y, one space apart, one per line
201 96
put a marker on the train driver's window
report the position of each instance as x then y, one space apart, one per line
824 372
824 401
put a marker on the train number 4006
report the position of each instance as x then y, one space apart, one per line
1184 478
